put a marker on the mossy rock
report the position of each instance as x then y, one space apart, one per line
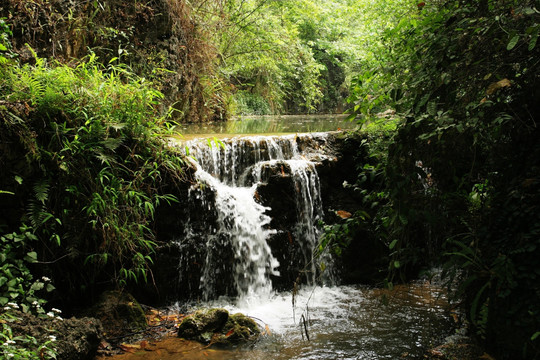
217 328
119 313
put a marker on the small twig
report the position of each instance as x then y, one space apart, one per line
303 320
51 262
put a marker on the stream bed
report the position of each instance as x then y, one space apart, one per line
344 322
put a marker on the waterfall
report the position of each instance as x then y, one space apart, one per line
237 221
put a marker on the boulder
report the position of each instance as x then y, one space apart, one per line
119 313
217 328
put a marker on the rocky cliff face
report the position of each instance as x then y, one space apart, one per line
157 39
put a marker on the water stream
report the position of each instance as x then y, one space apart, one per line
345 322
236 264
230 174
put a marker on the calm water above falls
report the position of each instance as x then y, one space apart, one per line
269 125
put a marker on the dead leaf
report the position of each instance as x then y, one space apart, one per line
267 330
229 333
436 352
343 214
486 356
493 87
130 348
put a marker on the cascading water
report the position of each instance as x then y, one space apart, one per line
250 229
230 175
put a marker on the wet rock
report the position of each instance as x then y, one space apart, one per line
217 328
119 313
73 339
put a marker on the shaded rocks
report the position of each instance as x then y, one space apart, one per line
218 328
119 313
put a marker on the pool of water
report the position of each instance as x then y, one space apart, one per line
268 125
344 322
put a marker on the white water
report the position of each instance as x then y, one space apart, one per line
233 169
244 220
344 322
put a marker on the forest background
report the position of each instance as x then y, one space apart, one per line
453 180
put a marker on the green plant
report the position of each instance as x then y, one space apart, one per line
462 171
100 140
24 347
17 284
5 43
251 104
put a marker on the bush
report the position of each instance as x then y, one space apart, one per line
87 168
251 104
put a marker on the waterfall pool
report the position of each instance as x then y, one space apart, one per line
344 322
239 238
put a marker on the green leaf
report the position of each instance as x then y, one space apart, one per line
535 335
31 257
3 301
513 42
403 219
393 244
38 285
476 302
534 39
397 264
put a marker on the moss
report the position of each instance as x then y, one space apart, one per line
217 328
119 313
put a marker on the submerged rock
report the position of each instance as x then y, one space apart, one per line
217 328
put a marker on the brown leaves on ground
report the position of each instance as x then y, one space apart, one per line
155 317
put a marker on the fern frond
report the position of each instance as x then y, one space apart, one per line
112 143
41 191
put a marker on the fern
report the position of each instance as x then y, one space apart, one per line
41 191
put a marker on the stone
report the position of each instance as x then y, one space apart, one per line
119 313
217 328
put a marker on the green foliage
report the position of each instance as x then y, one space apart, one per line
23 347
96 165
248 103
462 174
5 43
158 40
298 55
17 285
